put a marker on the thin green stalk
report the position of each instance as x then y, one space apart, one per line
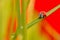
18 15
53 10
23 18
34 22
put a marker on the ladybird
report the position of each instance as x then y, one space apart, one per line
42 14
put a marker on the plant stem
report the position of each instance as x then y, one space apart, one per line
53 10
18 14
23 19
34 22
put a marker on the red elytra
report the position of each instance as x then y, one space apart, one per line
46 5
43 12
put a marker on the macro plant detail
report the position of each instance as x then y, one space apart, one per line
15 25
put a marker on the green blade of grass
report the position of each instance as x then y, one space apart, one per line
53 10
34 22
18 16
23 18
